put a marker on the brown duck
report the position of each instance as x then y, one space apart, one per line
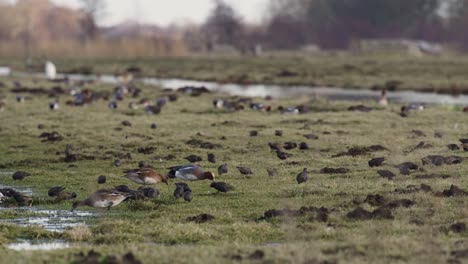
145 176
102 199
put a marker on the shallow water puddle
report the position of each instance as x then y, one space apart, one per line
51 220
21 245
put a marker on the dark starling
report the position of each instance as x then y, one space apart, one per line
275 146
193 158
184 186
172 97
20 175
303 146
244 170
65 196
253 133
453 147
126 123
188 196
211 158
271 172
302 177
278 133
117 163
283 155
141 164
289 145
222 186
54 191
149 192
22 199
223 169
376 162
154 126
386 174
178 192
406 167
122 188
101 179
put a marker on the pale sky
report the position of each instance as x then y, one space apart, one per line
164 12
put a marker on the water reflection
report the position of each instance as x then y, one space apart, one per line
38 245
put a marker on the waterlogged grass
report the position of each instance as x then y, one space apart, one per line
158 229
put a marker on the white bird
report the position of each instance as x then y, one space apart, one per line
50 70
383 100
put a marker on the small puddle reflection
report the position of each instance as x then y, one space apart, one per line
45 245
51 220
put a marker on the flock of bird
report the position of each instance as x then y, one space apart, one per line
146 174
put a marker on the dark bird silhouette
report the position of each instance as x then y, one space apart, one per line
275 146
303 146
271 172
289 145
154 126
302 177
386 174
20 175
149 192
54 191
278 133
244 170
65 196
211 158
141 164
222 186
223 169
101 179
283 155
376 162
22 199
193 158
188 197
117 163
253 133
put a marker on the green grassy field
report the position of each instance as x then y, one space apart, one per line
157 230
445 74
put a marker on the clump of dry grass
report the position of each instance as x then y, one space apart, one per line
79 233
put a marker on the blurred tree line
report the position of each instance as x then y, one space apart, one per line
335 24
40 28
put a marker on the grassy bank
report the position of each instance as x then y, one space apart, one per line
158 229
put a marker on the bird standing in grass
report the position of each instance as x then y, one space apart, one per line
102 199
190 172
222 186
145 176
302 177
223 169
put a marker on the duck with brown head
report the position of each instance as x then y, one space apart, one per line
145 176
191 172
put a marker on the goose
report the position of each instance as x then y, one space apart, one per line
191 172
102 199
